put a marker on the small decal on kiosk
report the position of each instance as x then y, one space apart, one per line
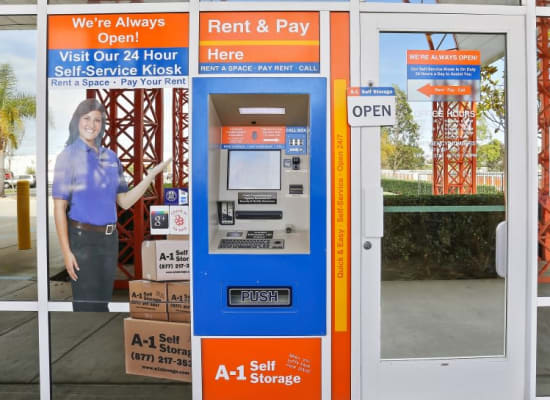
257 197
259 234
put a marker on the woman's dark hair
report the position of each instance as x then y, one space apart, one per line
84 108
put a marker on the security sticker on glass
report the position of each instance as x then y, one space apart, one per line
171 196
159 216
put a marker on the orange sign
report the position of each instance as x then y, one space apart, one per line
267 369
120 31
443 75
253 135
431 90
264 42
444 57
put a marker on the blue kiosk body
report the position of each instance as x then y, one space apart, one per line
259 206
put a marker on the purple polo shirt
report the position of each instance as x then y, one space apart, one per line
90 183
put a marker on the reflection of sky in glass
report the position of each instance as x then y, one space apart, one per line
251 169
393 71
18 48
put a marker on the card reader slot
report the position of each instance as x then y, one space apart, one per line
258 214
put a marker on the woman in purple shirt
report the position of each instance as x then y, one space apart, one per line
88 184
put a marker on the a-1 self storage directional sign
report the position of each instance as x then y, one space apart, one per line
371 106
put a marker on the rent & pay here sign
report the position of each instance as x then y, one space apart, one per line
127 51
259 42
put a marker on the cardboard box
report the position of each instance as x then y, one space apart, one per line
148 300
179 302
177 237
158 349
165 260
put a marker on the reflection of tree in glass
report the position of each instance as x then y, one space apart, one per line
14 107
491 118
399 143
492 106
491 155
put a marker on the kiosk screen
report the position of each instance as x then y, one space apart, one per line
254 170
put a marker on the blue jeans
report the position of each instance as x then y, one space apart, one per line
97 255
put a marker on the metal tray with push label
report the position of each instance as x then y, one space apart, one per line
259 296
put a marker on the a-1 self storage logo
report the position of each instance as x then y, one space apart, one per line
270 369
261 372
111 51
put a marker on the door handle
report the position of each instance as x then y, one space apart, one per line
501 251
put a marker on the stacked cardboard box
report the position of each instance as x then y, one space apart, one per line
161 301
157 337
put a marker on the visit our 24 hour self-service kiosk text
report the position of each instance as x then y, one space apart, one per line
118 51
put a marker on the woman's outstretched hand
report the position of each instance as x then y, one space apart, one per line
159 167
128 199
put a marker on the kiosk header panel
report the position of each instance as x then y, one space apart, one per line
259 206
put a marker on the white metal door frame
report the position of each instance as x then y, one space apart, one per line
487 377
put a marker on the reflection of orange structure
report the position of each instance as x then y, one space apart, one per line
454 147
180 141
454 144
543 53
135 132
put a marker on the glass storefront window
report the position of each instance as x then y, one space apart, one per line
19 361
87 358
17 157
115 104
443 174
17 2
478 2
543 352
543 78
112 1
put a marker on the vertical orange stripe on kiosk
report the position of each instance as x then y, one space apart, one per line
341 213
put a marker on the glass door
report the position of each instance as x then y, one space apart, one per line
443 260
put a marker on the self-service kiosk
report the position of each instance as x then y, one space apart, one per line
259 190
259 235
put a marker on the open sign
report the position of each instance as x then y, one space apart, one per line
371 106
